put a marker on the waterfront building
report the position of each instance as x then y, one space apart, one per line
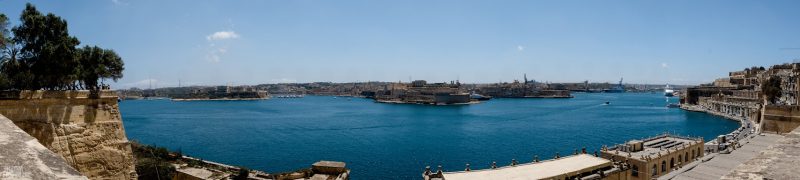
421 92
577 166
739 97
526 89
217 92
656 156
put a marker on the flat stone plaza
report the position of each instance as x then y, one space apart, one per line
715 166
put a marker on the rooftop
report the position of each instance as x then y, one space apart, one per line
540 170
654 146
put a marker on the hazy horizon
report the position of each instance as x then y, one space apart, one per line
261 42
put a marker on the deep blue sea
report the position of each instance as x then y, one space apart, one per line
397 141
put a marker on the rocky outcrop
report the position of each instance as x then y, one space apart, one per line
86 132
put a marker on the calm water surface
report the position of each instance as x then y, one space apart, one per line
391 141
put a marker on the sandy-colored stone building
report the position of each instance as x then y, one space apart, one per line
578 166
653 157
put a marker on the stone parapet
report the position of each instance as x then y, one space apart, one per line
781 119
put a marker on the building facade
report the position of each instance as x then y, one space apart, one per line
656 156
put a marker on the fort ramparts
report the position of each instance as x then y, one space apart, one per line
84 128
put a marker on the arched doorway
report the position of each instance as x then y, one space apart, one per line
686 156
654 171
698 152
671 163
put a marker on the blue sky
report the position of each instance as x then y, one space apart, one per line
253 42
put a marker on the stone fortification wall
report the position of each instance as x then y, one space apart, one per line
22 157
86 132
781 119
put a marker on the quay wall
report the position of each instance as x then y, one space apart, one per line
781 119
87 132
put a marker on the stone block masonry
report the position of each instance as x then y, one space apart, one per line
22 157
781 119
86 132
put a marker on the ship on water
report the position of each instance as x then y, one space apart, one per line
668 92
619 88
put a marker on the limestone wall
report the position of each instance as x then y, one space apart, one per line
781 119
22 157
87 132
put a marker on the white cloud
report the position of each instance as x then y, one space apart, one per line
664 65
222 35
520 48
216 47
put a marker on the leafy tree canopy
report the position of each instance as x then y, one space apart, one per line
42 55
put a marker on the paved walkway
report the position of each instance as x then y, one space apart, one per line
779 161
714 166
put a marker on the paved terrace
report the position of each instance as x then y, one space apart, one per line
714 166
779 161
23 157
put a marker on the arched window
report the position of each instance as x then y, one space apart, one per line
663 166
698 152
672 163
692 153
686 156
680 159
654 170
635 171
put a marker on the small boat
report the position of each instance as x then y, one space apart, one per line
607 103
479 97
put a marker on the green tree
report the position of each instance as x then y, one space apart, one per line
4 33
4 38
98 64
112 65
772 88
42 55
47 50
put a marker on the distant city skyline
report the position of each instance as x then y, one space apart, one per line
257 42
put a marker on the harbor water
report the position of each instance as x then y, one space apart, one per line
397 141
